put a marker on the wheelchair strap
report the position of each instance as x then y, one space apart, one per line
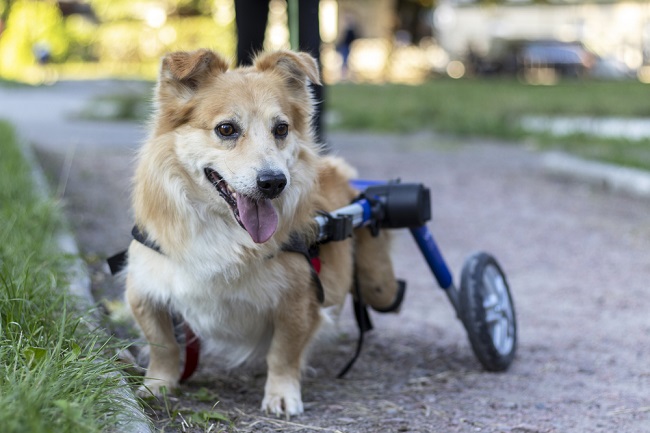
364 324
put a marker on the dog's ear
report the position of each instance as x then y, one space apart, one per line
296 68
181 74
184 71
296 71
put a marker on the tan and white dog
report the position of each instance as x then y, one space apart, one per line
229 172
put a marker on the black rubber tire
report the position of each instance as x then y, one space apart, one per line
473 292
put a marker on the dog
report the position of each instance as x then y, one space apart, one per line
228 176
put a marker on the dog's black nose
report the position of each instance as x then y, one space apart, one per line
271 183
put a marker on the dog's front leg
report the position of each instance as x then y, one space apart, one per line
164 354
293 326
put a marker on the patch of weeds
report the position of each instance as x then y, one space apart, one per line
188 412
205 395
56 374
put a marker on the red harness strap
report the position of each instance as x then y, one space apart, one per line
192 351
315 263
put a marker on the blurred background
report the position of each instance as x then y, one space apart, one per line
407 41
561 74
487 102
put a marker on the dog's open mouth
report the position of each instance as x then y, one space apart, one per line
257 216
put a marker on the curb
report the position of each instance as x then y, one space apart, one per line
134 420
615 178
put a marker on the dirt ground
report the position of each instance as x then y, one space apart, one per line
576 257
577 260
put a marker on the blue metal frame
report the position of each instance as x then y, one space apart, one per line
431 253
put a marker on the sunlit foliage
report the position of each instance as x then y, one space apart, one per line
112 37
31 26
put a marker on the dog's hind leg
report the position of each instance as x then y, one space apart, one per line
164 356
295 321
374 269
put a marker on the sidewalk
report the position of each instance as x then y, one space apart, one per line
577 260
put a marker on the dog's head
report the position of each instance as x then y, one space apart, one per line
241 134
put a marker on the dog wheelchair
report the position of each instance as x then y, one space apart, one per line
483 302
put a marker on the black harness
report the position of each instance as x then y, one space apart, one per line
118 262
296 244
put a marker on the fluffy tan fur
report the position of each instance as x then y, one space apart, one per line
249 297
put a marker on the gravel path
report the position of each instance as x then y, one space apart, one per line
577 260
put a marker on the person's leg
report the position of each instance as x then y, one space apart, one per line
309 41
251 17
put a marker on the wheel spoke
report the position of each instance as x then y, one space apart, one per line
498 310
491 301
498 334
493 316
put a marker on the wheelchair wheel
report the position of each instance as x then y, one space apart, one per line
488 312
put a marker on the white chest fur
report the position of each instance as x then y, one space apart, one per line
225 300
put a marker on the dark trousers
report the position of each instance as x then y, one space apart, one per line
251 17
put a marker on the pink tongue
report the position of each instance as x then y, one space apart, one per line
258 216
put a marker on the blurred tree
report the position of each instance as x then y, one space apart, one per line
4 10
140 32
192 7
413 19
125 37
33 29
82 34
112 10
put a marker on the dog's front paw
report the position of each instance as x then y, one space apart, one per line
282 397
156 388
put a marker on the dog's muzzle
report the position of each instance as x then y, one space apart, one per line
256 215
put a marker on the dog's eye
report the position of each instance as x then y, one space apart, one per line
281 130
226 130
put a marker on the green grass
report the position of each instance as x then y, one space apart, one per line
479 107
54 376
493 108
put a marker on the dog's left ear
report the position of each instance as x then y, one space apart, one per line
181 74
186 70
297 68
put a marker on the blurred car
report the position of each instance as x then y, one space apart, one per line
569 59
517 57
608 68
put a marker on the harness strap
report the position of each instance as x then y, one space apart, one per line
143 237
297 244
364 324
118 262
192 351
